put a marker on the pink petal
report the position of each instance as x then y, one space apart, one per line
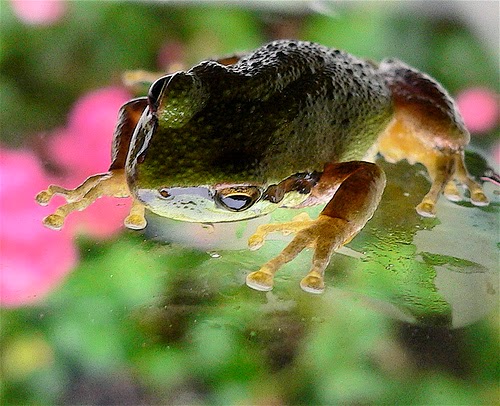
33 259
84 146
479 109
39 12
28 272
102 219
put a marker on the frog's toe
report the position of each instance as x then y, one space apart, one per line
452 197
451 192
478 198
54 221
426 209
313 284
43 198
135 222
260 280
255 242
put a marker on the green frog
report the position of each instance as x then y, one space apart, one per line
292 124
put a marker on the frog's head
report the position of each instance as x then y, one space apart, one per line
224 202
190 158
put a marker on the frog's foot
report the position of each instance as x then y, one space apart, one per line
325 235
447 172
263 278
112 183
427 128
136 220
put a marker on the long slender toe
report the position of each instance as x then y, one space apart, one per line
43 197
260 280
255 242
135 222
451 192
313 284
479 199
426 209
54 221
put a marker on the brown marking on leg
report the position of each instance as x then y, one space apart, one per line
128 117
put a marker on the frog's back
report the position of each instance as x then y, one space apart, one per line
309 103
288 107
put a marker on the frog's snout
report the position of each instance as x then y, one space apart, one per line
155 92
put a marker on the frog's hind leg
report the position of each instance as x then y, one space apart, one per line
445 166
477 196
357 189
427 128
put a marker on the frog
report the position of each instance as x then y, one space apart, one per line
292 124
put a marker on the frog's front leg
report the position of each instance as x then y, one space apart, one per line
112 183
357 188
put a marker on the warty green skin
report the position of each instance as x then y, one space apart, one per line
288 107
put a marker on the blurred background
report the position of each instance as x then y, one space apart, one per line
95 314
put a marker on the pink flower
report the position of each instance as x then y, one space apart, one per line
39 12
479 109
33 259
82 149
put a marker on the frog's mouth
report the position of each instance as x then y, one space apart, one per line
203 204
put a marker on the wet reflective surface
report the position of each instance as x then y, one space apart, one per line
410 305
410 313
439 271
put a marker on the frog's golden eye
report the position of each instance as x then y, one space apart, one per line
156 90
237 198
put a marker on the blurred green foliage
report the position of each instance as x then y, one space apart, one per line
44 69
143 322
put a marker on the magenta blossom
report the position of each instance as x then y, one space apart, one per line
479 109
82 149
39 12
33 259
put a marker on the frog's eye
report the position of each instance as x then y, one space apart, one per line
155 91
237 198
